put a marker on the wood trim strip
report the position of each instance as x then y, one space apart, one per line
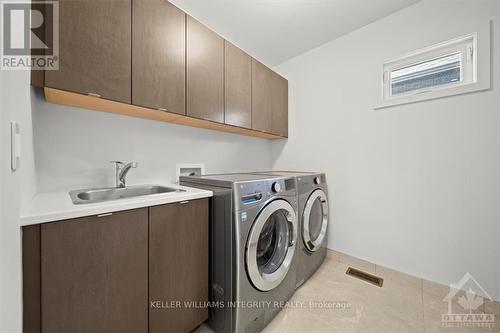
62 97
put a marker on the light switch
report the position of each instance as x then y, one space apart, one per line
15 146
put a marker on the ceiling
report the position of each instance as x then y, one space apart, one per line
276 30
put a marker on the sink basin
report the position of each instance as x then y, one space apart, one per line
115 193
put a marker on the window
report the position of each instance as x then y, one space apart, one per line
445 66
432 73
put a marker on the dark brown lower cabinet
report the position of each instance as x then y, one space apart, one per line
178 266
94 273
31 279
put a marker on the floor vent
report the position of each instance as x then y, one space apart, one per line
378 281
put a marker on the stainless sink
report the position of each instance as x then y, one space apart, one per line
115 193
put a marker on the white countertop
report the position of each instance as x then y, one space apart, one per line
55 206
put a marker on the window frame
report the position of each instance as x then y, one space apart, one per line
480 78
465 46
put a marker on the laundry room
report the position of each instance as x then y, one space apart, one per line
250 166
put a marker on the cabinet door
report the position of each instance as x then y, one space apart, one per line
262 84
269 100
205 72
238 87
178 265
158 55
95 273
31 279
279 121
94 49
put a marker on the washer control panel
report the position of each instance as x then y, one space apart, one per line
257 191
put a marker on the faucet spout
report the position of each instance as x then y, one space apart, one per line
122 170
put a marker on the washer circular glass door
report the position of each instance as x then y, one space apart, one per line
271 245
315 220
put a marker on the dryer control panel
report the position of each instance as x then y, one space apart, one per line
254 192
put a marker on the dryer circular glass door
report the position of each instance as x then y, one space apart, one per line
271 245
315 220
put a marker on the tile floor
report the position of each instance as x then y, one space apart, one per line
403 304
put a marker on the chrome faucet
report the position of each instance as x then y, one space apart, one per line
121 171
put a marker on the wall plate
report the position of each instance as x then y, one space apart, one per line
186 169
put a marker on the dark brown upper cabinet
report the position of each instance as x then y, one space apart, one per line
238 86
205 72
158 55
262 97
279 118
142 56
178 264
269 100
94 49
94 273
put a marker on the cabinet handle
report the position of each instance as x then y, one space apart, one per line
184 202
94 95
104 215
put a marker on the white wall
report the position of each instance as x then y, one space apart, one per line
73 148
413 187
16 188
